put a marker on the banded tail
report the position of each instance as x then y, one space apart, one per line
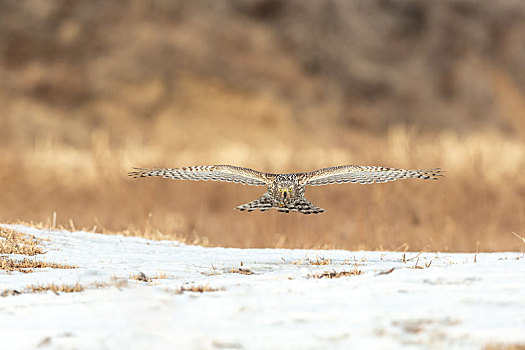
265 203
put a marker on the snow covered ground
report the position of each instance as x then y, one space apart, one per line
458 301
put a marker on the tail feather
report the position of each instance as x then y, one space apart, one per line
265 203
304 206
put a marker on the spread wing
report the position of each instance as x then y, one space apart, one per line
365 175
226 173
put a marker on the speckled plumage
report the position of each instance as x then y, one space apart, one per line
286 191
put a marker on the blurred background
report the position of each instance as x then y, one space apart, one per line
89 89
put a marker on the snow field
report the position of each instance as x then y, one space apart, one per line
434 300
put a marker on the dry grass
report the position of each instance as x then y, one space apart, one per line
426 265
160 276
143 278
518 236
309 261
319 261
504 347
468 206
28 265
198 288
64 288
10 292
56 288
420 325
140 277
414 261
14 242
335 274
385 272
241 270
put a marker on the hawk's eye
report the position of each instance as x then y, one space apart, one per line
290 188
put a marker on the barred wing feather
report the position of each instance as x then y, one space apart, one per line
225 173
366 175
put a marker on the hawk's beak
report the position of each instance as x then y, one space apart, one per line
285 194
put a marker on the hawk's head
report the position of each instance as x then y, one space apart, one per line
286 188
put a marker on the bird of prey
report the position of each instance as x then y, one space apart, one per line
285 192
